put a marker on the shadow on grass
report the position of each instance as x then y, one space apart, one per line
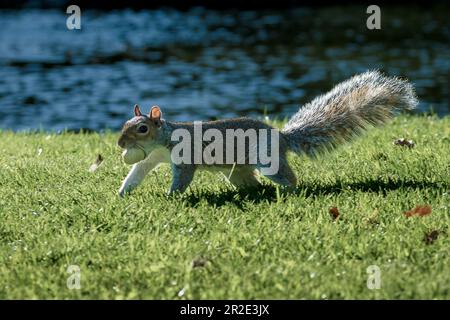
237 198
267 193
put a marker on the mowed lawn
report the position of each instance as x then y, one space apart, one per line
215 242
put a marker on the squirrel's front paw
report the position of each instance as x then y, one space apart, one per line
125 189
123 192
170 194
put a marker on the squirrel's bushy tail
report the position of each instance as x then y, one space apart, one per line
350 107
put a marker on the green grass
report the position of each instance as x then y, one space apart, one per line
215 242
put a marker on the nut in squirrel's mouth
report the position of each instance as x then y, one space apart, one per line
134 154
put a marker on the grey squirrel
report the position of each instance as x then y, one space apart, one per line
348 109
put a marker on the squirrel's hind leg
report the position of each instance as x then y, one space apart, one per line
244 177
285 176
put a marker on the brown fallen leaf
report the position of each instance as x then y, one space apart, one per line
96 164
334 212
418 211
431 236
404 143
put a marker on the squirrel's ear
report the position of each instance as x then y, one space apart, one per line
155 115
137 111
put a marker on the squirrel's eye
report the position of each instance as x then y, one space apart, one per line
142 129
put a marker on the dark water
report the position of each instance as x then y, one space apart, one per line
204 64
